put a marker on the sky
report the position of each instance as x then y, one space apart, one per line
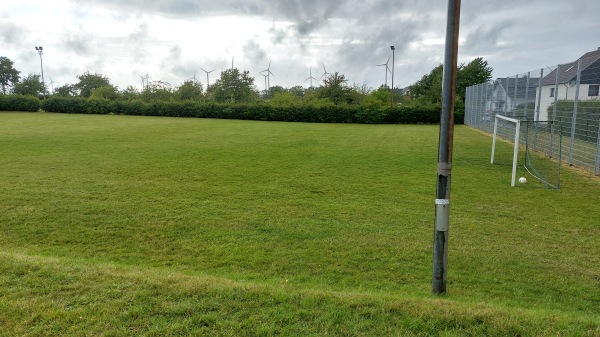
177 40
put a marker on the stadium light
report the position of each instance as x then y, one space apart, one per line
40 51
392 88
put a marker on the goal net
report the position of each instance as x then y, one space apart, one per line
532 148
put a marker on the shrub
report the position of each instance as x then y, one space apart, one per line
19 103
409 113
64 104
99 106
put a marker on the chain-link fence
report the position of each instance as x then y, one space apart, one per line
567 94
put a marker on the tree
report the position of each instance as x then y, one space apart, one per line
429 87
335 88
234 86
107 91
129 93
284 98
477 71
379 97
88 82
157 91
67 90
9 76
189 90
274 90
30 86
297 90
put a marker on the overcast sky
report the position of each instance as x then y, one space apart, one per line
171 40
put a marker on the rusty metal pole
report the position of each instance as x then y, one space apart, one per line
442 201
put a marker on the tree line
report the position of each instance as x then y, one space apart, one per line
237 86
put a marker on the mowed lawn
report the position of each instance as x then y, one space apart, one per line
122 225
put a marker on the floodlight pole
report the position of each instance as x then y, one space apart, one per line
40 51
442 201
392 88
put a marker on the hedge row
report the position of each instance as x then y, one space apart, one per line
19 103
404 114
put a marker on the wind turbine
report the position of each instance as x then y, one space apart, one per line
207 72
146 80
310 78
194 78
52 84
265 76
325 71
268 74
387 69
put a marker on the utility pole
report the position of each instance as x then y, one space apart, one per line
442 201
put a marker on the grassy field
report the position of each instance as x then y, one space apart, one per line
121 225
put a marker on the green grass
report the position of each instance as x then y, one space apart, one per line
120 225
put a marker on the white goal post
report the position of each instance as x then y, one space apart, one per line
516 148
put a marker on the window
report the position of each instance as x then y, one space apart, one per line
551 92
593 90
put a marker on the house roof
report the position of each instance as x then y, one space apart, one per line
510 83
568 72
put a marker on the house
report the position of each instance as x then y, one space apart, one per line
511 95
561 83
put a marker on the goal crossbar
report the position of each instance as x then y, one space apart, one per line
516 147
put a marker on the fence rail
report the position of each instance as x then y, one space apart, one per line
567 94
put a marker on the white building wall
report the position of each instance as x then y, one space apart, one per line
565 91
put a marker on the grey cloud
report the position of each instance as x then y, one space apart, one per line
11 33
137 42
78 43
487 37
139 35
175 53
254 52
306 27
278 34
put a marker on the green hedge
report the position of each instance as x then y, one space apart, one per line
19 103
64 104
403 114
588 118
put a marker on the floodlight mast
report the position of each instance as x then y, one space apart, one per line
442 201
40 51
392 87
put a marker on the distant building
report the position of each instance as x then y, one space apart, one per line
561 83
511 93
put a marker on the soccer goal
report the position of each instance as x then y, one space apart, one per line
541 143
508 126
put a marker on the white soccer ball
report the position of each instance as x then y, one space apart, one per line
522 180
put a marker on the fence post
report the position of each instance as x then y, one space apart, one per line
574 121
485 88
526 95
514 100
481 107
539 98
555 109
